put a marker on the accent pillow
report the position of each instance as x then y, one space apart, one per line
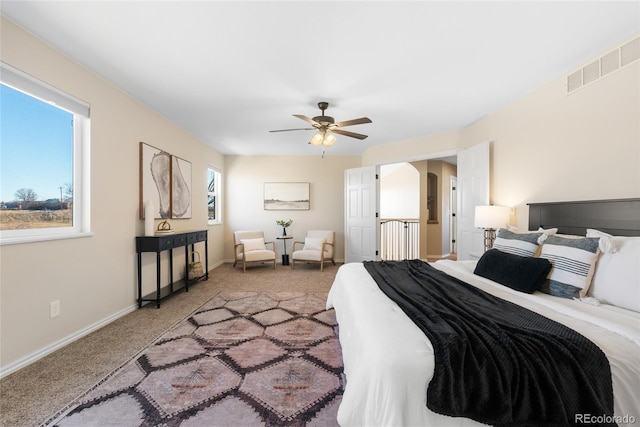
548 231
253 244
523 244
573 261
607 244
616 280
313 243
524 274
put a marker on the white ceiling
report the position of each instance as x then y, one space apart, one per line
230 71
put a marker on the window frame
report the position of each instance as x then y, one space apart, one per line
217 194
35 88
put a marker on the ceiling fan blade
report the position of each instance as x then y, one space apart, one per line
360 121
287 130
307 119
351 134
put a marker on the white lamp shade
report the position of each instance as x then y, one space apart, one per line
491 216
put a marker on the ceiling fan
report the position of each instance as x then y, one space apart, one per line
326 127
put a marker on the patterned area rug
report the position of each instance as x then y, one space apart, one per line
242 359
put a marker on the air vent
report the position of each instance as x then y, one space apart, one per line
574 81
610 62
624 55
630 52
591 72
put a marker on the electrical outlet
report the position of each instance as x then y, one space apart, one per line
55 308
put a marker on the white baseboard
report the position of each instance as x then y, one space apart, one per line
216 265
39 354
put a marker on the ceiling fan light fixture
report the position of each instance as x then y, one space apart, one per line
329 139
317 138
325 127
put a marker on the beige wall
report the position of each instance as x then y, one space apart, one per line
432 146
400 192
549 146
93 277
244 186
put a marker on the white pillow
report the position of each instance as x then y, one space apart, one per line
573 261
607 245
313 244
253 244
617 277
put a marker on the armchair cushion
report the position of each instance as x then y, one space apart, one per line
313 243
253 244
308 255
258 255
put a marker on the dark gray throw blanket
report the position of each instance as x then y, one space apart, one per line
497 362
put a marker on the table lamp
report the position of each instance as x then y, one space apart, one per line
490 218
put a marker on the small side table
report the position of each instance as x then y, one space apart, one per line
285 257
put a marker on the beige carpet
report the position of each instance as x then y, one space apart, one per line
35 393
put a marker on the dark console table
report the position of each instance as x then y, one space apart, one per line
168 242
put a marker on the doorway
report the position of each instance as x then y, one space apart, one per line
418 196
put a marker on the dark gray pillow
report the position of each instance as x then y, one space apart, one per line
524 274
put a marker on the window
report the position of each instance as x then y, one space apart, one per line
432 197
213 196
43 168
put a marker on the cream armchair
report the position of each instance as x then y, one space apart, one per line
249 246
317 247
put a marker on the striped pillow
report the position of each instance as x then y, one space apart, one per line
523 244
573 262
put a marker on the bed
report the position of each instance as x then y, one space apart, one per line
389 361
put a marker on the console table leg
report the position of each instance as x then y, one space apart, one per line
186 263
170 271
206 259
139 280
158 279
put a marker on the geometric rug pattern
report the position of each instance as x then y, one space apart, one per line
241 359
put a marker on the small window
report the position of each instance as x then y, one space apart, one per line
213 196
43 135
432 197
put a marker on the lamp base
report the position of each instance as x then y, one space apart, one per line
489 238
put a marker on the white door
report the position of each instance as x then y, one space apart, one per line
361 223
453 214
473 190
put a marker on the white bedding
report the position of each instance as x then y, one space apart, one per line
388 361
